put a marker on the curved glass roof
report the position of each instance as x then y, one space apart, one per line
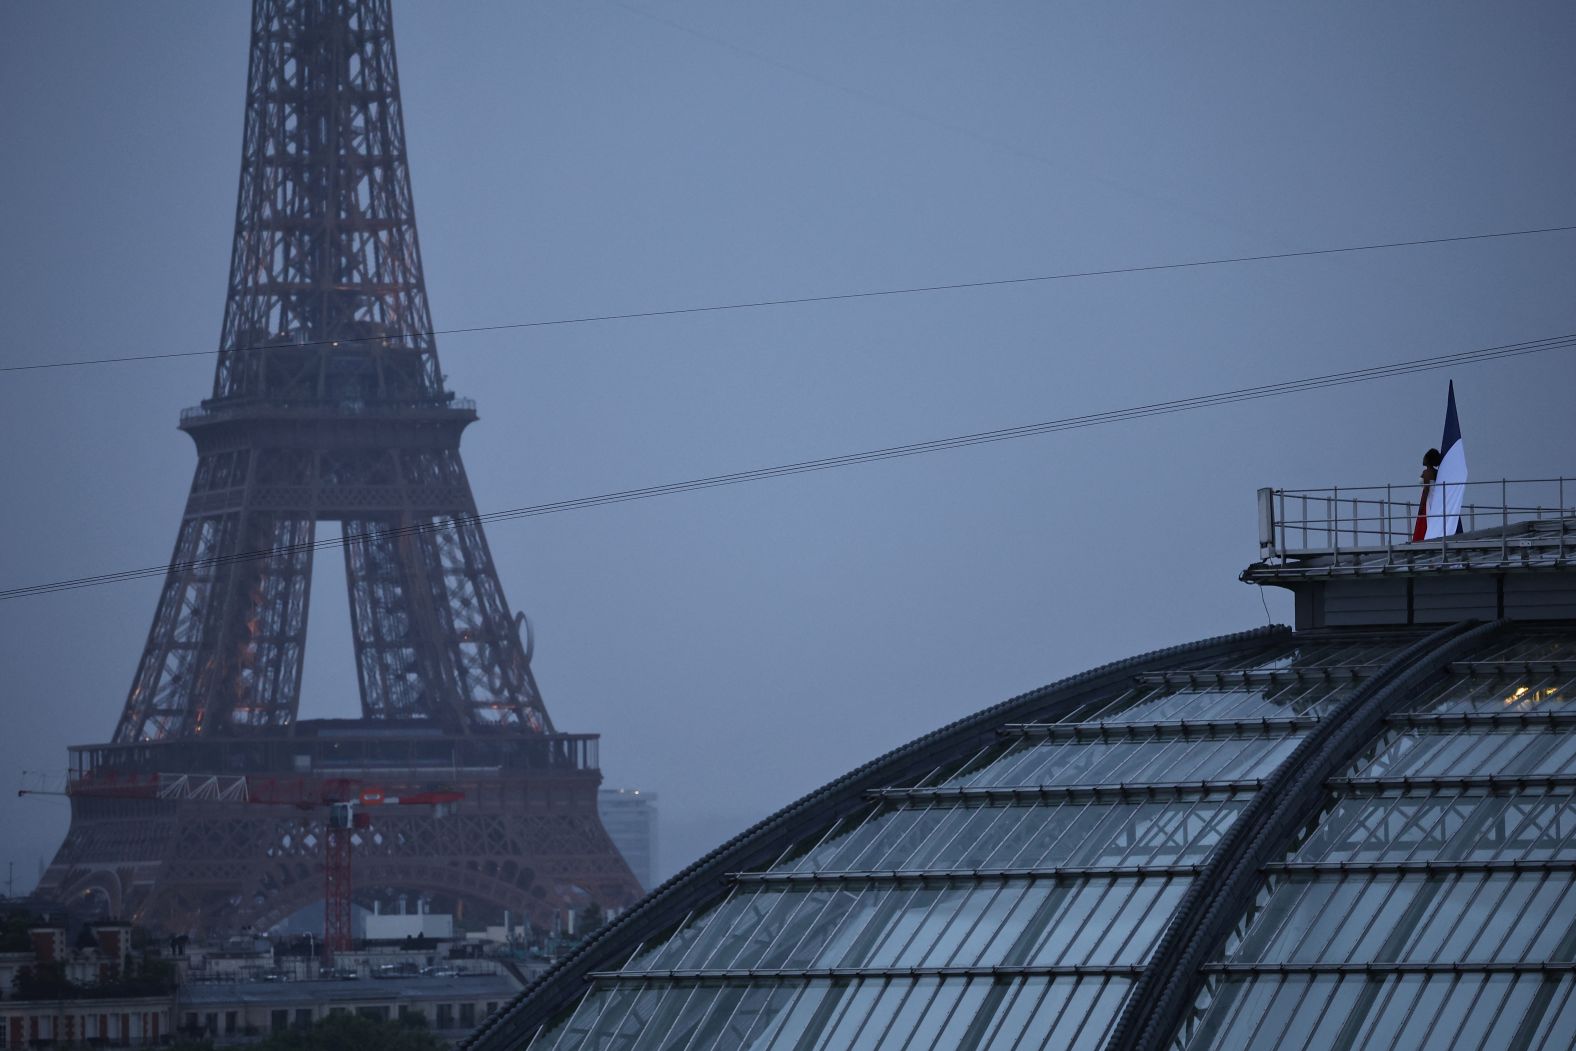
1002 898
1432 901
1010 881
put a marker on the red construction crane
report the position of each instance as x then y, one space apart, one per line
341 797
342 800
339 833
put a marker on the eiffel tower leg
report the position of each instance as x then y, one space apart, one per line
481 637
226 643
396 655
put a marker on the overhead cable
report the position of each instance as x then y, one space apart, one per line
803 300
1066 423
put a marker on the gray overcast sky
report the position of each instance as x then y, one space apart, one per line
738 647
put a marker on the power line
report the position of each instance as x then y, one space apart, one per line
1067 423
955 286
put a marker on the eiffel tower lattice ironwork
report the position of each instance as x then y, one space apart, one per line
328 404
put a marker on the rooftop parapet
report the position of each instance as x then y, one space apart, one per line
1348 554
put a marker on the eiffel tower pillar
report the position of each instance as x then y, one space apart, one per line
207 809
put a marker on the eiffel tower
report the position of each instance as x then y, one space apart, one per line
209 809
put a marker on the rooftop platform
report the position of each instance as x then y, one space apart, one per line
1348 557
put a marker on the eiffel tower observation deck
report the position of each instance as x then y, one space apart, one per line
208 809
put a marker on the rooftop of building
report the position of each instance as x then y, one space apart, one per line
1274 838
327 992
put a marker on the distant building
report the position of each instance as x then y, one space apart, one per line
630 817
128 1021
95 993
383 926
240 1012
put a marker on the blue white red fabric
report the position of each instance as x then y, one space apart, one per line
1444 496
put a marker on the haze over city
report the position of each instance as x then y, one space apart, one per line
738 647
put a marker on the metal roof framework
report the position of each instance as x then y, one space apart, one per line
1356 836
1031 897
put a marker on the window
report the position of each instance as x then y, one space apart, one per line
468 1015
303 1017
229 1022
445 1016
279 1021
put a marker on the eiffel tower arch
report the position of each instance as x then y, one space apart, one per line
206 810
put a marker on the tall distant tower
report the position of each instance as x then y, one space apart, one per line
208 810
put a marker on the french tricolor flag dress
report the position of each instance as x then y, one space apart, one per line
1444 496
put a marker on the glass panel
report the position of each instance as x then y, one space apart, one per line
1529 646
695 1005
1102 1019
907 1018
1557 1029
859 924
1471 1010
1002 925
1389 914
1098 922
1410 918
1028 835
1131 762
1427 1026
745 926
1021 1004
788 1027
1518 692
722 1017
621 1027
1144 932
1089 1012
1552 929
854 1012
1294 908
648 1027
1381 1013
1348 989
1064 999
975 1009
1176 702
1410 1012
1419 753
1234 1020
892 996
971 925
895 844
949 1000
1461 826
573 1031
1367 652
1314 1007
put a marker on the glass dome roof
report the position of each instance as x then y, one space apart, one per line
1358 836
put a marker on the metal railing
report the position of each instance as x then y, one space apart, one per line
1381 518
